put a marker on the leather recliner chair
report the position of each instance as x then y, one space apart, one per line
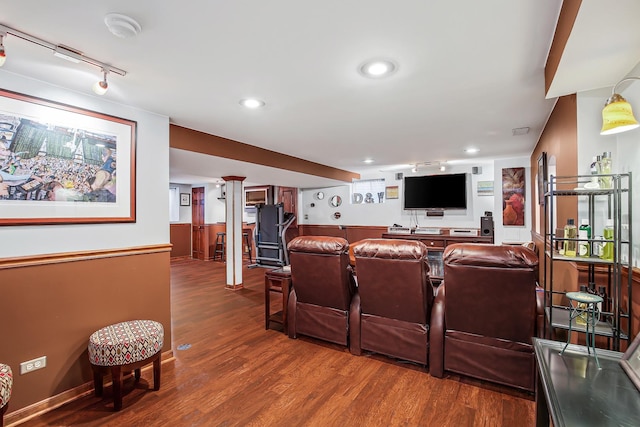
391 311
486 313
322 288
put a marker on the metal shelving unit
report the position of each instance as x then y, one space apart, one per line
615 317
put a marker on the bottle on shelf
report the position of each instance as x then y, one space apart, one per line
570 232
607 245
602 291
584 234
605 169
594 169
597 246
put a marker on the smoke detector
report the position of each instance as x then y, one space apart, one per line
122 26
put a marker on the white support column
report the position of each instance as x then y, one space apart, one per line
234 231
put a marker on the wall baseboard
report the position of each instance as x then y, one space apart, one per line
29 412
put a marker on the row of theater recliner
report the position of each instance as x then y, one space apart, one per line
479 322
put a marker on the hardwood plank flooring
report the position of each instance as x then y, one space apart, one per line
236 373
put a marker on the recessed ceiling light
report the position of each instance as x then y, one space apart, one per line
251 103
368 160
471 150
378 68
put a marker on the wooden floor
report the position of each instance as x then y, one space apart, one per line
237 373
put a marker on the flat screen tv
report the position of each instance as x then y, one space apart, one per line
436 192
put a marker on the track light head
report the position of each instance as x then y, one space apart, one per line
100 87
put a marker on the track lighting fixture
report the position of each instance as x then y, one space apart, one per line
100 87
64 52
3 56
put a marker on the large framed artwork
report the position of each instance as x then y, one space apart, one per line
513 192
61 164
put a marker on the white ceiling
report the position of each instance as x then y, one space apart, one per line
468 73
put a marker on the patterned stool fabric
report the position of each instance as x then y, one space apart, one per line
6 382
123 347
126 342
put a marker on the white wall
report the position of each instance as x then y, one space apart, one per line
214 205
184 211
625 148
152 182
390 212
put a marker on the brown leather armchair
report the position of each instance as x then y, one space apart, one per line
485 314
322 288
392 309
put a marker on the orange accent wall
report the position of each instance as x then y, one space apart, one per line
180 240
52 304
559 139
352 233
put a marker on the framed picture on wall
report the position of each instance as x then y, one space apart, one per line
542 177
185 199
61 164
513 201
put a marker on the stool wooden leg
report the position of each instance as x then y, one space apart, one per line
97 381
137 374
2 411
267 302
116 374
156 373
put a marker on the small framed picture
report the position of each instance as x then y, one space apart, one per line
185 199
630 362
391 192
542 177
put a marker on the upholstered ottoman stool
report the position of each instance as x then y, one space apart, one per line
6 382
125 347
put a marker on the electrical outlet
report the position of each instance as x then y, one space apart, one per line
33 365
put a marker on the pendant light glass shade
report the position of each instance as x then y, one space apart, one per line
617 116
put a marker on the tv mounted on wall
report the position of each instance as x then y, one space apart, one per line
436 192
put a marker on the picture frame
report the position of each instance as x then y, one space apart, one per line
513 197
542 177
185 199
256 195
485 188
61 164
392 192
630 362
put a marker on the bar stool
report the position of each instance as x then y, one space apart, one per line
220 246
247 246
583 306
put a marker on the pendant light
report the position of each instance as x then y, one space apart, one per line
617 115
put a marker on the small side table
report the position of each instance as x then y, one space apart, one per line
584 306
278 281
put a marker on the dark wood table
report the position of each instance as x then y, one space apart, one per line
278 281
574 392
